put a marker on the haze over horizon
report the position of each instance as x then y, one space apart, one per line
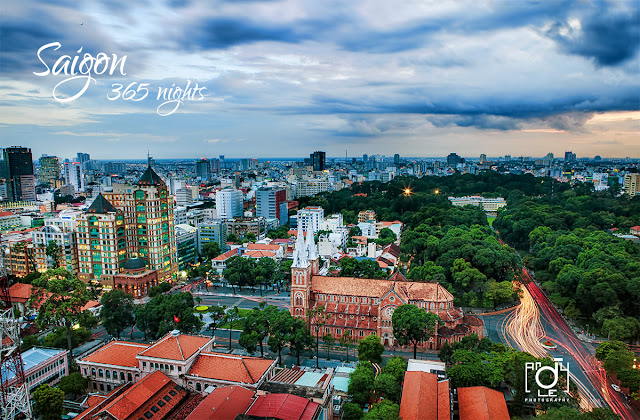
289 77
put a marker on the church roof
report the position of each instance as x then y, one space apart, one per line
352 286
101 206
149 177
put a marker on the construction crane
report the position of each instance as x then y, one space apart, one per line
14 393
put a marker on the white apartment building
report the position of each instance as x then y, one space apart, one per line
310 218
74 175
229 203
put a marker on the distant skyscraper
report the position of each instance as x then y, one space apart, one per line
483 158
365 157
631 185
396 159
318 160
83 157
453 159
49 170
214 165
74 175
569 157
507 158
18 167
229 203
202 169
271 203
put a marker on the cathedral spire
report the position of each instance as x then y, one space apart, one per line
310 246
299 252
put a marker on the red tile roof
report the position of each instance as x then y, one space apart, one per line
263 247
6 213
351 286
117 353
180 347
20 292
223 403
259 254
144 394
481 403
420 387
283 407
227 255
231 368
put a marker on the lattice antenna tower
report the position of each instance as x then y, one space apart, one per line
14 393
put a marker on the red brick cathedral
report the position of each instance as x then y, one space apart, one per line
365 306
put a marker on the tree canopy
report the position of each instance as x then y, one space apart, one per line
117 311
412 325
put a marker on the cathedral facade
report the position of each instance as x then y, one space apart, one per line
365 306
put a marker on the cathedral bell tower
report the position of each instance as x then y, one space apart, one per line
301 270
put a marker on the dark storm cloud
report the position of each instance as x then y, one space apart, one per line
608 37
226 32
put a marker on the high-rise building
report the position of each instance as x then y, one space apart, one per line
49 170
184 196
202 169
83 157
214 165
507 158
365 157
318 160
453 159
102 246
569 157
74 175
229 203
150 225
483 158
396 159
631 186
18 168
271 203
213 230
65 238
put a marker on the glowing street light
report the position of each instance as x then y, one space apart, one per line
436 191
407 192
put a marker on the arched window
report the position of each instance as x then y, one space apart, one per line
198 387
115 374
107 374
122 376
100 373
93 372
441 305
129 378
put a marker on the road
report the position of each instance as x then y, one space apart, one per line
536 319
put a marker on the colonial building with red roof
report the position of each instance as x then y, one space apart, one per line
365 306
188 360
223 403
154 396
283 406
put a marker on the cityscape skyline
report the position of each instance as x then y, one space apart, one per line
500 78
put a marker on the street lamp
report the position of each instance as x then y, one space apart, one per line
436 191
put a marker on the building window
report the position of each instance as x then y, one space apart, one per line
327 330
93 372
122 376
107 374
361 333
144 364
100 373
179 368
198 386
129 378
338 331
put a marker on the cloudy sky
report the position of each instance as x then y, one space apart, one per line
284 78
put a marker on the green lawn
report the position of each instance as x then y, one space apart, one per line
490 219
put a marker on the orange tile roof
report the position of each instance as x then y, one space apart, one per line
352 286
259 254
20 292
284 407
482 403
6 213
420 387
226 255
263 247
91 304
180 347
151 386
117 353
223 403
232 368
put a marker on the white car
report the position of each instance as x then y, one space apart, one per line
615 387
